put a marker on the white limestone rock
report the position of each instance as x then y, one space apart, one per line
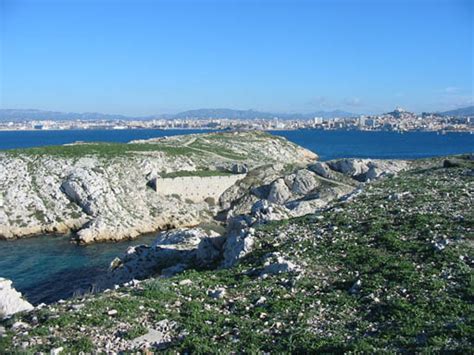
158 337
264 211
107 197
322 169
366 169
275 264
304 182
279 192
170 253
11 301
239 241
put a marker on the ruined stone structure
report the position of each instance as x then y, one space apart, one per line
196 188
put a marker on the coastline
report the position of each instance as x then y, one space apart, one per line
211 129
328 260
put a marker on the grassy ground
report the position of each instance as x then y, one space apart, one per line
200 173
100 149
227 146
389 271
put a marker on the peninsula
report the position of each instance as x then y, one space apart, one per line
108 191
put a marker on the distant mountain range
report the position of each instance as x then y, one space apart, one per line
251 114
213 113
19 115
465 111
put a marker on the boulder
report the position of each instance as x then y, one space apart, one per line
322 169
351 167
366 169
170 253
275 264
240 168
239 241
264 211
304 182
279 192
11 301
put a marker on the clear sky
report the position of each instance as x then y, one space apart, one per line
146 57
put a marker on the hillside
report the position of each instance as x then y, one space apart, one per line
251 114
389 270
465 111
101 191
31 114
210 113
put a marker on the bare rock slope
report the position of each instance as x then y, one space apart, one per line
265 194
100 191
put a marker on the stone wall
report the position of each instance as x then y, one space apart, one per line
196 188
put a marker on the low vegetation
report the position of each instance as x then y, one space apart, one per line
199 173
99 149
389 271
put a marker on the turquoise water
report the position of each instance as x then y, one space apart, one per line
48 268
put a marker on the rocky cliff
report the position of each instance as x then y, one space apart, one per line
100 191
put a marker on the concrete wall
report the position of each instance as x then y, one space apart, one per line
196 188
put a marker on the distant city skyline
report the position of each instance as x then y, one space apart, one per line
153 57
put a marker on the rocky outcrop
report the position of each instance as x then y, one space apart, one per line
239 240
264 195
240 234
260 199
98 192
101 191
171 252
303 182
279 192
322 169
366 169
11 301
305 189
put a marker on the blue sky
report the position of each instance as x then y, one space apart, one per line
144 57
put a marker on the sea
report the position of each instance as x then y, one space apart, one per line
48 268
327 144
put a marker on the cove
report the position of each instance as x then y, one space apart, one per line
48 268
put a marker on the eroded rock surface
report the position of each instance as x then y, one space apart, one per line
11 301
171 253
101 191
366 169
273 194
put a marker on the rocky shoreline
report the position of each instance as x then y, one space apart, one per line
97 192
324 280
265 193
292 195
101 191
146 293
